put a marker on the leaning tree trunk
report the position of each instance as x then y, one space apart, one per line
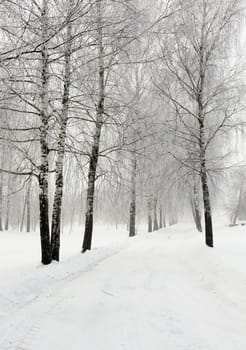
96 140
57 205
44 167
132 221
90 192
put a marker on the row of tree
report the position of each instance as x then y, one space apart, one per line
116 104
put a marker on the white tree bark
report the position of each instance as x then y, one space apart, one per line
57 205
44 127
97 135
132 221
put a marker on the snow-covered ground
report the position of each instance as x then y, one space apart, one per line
163 290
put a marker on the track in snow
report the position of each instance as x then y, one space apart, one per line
162 292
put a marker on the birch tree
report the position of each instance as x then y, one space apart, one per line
203 82
57 205
113 23
97 134
44 146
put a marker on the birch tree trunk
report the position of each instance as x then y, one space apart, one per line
155 228
7 213
195 206
28 206
96 139
132 221
164 220
204 181
26 209
207 209
149 217
237 209
160 216
57 204
44 167
23 214
8 204
8 199
202 143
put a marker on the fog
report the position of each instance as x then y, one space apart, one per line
121 114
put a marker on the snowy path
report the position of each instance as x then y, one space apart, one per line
162 291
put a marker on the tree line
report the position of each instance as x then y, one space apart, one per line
107 105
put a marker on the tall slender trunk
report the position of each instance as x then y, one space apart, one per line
149 217
44 167
23 213
203 170
8 199
96 140
72 215
26 209
132 221
164 220
57 205
155 228
44 220
28 206
207 210
202 143
160 216
237 209
195 205
90 195
7 213
205 189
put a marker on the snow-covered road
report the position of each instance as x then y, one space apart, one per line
159 291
